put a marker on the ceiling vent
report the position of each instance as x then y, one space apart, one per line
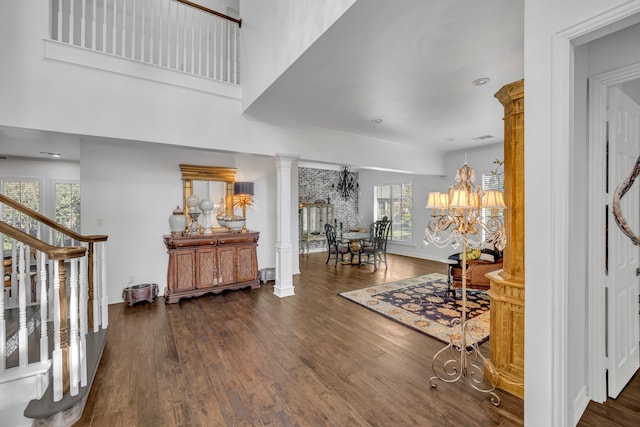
481 138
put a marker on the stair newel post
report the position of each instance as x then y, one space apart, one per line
61 348
74 362
44 308
23 346
92 305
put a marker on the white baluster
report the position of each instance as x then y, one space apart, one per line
97 290
103 282
184 39
134 18
228 27
235 54
114 31
124 27
44 308
143 35
71 21
215 48
104 25
23 346
193 40
57 351
94 43
160 33
200 15
83 296
83 30
207 44
14 273
59 35
151 33
74 363
177 20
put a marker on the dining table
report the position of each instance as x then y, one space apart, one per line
353 238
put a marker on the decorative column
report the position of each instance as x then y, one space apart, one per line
284 261
507 285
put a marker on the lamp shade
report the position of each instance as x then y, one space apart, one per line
243 188
437 200
461 199
493 199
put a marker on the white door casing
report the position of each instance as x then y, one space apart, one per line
623 333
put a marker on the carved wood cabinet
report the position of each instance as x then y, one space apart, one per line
210 263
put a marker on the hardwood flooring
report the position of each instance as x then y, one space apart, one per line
249 358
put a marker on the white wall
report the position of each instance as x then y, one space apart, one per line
48 94
132 188
481 159
275 33
549 400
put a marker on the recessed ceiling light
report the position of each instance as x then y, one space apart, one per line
55 155
377 121
481 81
480 138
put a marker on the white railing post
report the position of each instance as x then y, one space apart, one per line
97 289
44 308
57 350
74 363
83 295
23 346
104 310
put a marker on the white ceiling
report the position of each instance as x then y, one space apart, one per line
409 63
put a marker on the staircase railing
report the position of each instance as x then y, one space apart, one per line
175 34
70 289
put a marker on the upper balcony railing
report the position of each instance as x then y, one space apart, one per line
178 35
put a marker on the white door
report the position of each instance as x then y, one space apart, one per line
624 258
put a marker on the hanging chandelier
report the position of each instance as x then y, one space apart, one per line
347 185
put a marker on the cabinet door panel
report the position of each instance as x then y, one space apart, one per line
226 265
247 267
184 270
206 268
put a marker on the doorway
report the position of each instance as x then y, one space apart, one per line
614 322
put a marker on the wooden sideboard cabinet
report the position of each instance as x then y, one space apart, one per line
210 263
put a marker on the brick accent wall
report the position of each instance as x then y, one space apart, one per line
315 184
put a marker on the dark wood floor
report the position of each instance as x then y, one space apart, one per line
249 358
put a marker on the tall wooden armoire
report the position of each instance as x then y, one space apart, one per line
507 285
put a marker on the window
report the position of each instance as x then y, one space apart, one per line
492 181
64 207
67 205
396 202
26 192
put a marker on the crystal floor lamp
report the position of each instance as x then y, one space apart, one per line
457 218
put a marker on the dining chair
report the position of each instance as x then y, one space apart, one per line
336 248
376 246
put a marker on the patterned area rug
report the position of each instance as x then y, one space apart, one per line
419 303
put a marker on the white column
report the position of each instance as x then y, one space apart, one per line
284 260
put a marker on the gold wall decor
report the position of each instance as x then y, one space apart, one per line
507 285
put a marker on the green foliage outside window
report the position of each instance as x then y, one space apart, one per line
395 201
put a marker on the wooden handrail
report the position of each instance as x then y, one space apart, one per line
213 12
47 221
53 252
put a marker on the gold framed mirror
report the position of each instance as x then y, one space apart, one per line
193 176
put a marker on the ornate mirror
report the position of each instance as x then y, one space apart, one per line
215 183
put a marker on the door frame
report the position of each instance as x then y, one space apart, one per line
596 309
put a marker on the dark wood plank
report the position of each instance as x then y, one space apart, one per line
250 358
